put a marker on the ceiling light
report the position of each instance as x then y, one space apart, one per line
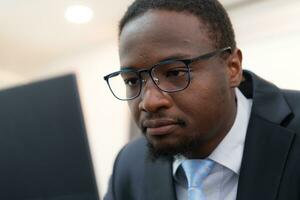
79 14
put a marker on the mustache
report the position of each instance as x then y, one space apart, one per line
160 117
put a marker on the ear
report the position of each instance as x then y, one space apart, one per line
234 68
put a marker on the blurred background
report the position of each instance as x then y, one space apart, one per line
46 38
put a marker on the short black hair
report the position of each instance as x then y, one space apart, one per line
210 12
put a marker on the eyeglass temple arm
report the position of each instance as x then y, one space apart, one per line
209 55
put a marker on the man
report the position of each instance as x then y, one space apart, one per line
211 130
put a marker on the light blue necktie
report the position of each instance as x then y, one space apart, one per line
196 171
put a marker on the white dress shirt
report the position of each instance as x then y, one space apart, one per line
221 183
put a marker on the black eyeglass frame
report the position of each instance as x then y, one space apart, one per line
149 71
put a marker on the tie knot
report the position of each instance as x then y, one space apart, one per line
196 171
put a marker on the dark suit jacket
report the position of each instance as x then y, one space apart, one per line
270 167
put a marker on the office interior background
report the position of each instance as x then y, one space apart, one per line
37 42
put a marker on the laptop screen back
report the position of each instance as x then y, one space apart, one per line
44 151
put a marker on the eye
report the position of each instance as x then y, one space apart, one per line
131 82
176 72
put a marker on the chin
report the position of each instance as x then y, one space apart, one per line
169 147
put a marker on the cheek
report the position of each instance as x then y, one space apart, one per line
134 109
207 100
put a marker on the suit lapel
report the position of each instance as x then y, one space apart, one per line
266 150
267 143
159 184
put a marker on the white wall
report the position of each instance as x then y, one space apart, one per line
9 79
268 33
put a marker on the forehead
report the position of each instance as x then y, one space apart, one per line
159 34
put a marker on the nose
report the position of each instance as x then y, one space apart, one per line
153 99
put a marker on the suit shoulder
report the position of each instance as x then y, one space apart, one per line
134 149
132 155
291 93
293 99
128 171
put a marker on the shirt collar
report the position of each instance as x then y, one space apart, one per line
229 152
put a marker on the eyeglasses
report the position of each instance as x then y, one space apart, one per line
169 76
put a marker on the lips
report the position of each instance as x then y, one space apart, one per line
159 127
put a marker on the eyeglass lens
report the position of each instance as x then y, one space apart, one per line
168 76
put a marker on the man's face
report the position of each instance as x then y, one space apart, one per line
190 121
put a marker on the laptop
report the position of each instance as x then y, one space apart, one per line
44 151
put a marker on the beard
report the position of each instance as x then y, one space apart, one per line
184 147
187 144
